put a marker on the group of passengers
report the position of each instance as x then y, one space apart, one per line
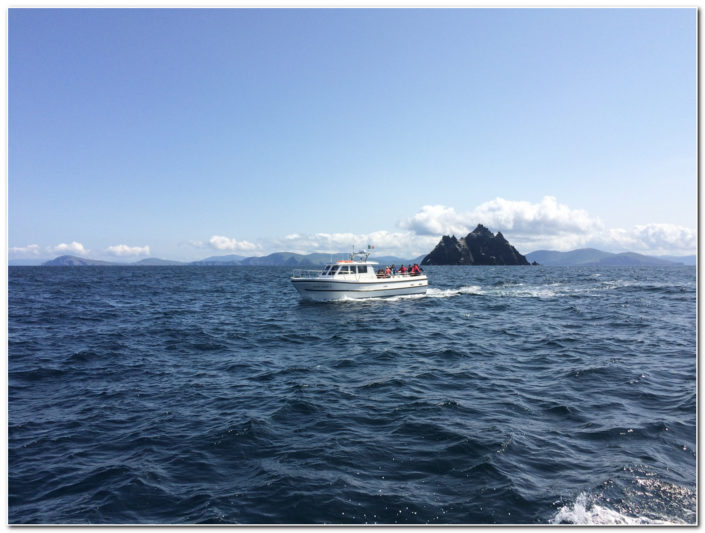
414 270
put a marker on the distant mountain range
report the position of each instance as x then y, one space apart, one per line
289 259
219 260
582 257
71 260
593 257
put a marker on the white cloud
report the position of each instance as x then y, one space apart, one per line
547 217
650 239
438 220
225 243
519 217
653 238
402 244
125 250
74 247
31 250
553 226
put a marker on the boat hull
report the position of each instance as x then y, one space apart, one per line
323 290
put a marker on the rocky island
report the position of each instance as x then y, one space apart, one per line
479 247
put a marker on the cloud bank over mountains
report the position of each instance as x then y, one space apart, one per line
552 226
32 250
123 250
385 242
219 242
520 218
547 225
73 248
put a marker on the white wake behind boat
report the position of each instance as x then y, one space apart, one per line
355 278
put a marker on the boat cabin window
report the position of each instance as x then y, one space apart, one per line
333 269
362 269
344 269
325 270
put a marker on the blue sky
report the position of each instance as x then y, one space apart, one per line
183 133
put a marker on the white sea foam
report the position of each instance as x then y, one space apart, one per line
532 292
591 511
432 292
398 297
447 293
583 512
402 297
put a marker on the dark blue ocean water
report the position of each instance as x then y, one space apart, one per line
527 395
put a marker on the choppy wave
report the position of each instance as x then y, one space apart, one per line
588 512
214 395
647 501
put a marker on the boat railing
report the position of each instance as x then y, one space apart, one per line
305 274
397 274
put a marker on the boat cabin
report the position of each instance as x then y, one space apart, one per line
340 270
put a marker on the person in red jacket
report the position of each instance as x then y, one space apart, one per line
403 270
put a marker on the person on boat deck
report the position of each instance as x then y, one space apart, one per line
415 270
403 270
394 269
388 272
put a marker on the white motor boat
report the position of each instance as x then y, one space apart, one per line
355 278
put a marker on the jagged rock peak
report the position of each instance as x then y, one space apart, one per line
479 247
482 231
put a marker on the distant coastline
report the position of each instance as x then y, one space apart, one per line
593 257
579 257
